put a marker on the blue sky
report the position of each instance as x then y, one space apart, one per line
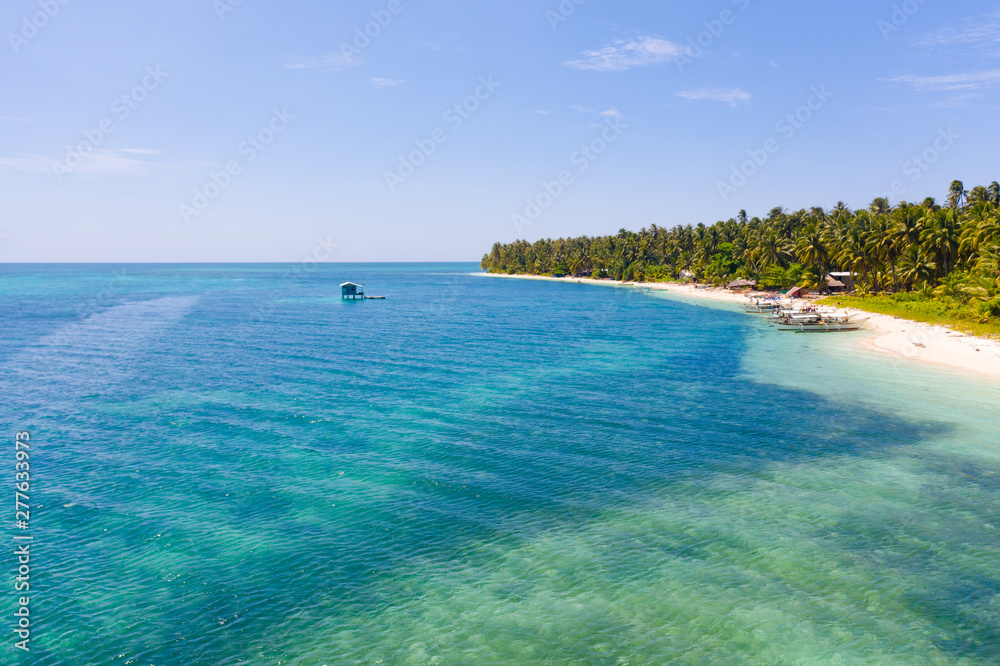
246 131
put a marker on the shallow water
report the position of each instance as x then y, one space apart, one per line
234 466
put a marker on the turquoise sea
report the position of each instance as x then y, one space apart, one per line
230 465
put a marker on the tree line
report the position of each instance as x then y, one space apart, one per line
948 250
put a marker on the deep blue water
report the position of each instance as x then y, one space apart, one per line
231 465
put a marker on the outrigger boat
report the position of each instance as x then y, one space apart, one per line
816 323
763 307
806 318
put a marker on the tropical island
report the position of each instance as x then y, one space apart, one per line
933 263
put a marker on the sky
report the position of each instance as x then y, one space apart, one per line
408 130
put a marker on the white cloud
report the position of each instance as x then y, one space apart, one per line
12 119
385 83
331 62
27 163
610 113
964 81
542 112
984 32
624 54
101 162
733 97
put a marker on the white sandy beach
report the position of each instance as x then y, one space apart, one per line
913 340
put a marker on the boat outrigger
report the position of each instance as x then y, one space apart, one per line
803 319
815 323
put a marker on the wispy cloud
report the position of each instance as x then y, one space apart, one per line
963 81
624 54
542 112
734 97
983 32
12 119
331 62
385 83
102 162
610 113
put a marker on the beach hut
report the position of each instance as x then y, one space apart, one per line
846 277
352 291
742 284
795 292
835 285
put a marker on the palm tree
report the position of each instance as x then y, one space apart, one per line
942 237
811 248
880 206
916 266
994 193
956 194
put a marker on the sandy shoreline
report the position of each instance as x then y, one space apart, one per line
913 340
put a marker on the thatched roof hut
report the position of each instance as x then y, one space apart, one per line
795 292
834 283
742 284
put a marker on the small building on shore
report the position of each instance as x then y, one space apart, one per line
834 285
742 284
352 291
847 278
795 292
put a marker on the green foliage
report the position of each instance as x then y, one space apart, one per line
656 273
931 311
947 254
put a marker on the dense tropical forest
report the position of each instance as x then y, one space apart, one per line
949 253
